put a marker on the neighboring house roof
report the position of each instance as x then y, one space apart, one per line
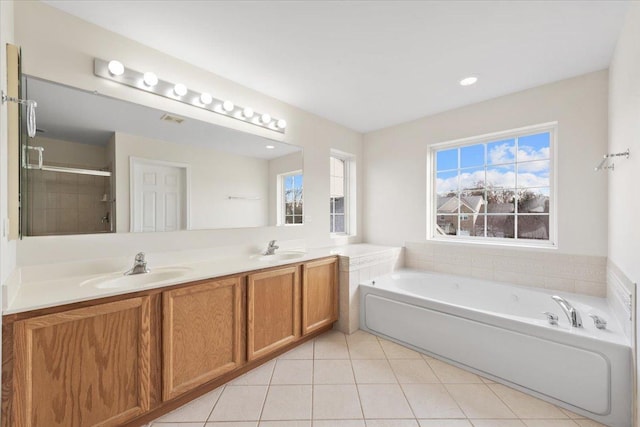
449 204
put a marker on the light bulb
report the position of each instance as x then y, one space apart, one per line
227 106
116 68
180 89
282 123
269 147
206 98
247 112
150 79
468 81
265 118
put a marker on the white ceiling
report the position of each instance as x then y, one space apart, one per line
373 64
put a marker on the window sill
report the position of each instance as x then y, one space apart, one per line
502 244
340 235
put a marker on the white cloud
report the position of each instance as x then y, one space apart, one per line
495 178
506 153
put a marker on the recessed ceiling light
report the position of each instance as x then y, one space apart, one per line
468 81
269 147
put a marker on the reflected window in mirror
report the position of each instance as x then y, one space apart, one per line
292 198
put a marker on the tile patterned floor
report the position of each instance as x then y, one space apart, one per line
361 380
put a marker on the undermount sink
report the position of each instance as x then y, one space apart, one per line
119 280
282 256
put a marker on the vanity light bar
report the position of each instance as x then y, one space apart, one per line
149 82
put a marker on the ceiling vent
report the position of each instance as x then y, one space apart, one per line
172 119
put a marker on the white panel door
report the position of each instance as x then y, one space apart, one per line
158 196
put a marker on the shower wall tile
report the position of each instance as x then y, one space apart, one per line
570 273
62 203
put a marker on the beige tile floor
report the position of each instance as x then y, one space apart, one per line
361 380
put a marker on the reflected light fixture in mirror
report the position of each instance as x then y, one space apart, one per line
149 82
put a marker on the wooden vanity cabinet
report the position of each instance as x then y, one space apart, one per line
273 310
202 333
83 367
319 294
128 359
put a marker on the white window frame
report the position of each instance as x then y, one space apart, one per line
281 198
349 193
552 243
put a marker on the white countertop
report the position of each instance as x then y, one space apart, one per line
59 284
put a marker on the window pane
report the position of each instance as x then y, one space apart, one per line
533 200
501 226
471 204
447 225
338 205
533 227
337 223
501 152
501 201
534 174
471 225
446 183
448 204
533 147
293 197
472 181
472 155
297 219
447 159
501 176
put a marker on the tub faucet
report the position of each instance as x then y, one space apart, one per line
271 248
572 314
139 266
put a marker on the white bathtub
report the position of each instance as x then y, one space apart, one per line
499 331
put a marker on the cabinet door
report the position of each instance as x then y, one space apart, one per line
319 294
273 306
202 334
84 367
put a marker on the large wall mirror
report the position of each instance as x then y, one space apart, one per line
102 165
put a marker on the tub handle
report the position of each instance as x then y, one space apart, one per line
551 317
598 321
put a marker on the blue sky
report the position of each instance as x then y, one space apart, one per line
532 155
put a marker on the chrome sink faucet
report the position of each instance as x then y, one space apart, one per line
271 248
139 266
572 314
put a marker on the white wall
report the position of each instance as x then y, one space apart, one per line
395 161
213 176
61 48
624 132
